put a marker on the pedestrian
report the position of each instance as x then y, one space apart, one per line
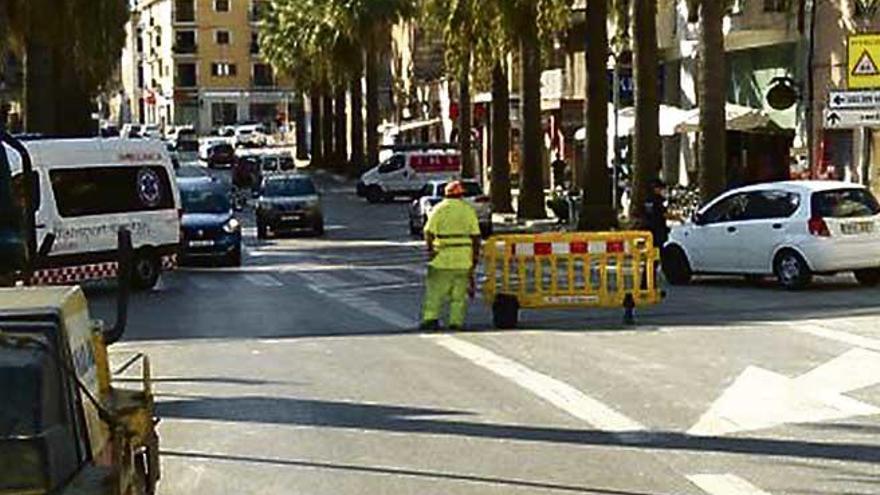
560 171
655 213
452 236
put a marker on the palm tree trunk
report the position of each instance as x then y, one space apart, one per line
316 143
597 212
72 101
713 149
340 126
327 127
465 122
647 131
531 197
299 118
372 107
357 122
500 188
39 89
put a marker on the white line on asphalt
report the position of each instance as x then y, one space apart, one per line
368 307
263 280
724 484
556 392
322 280
380 288
380 276
840 336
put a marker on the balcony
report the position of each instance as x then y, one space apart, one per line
185 48
263 82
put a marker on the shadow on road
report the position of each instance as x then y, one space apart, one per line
435 475
358 416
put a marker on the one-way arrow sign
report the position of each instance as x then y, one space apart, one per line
761 399
848 119
838 100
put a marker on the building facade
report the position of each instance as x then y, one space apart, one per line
198 62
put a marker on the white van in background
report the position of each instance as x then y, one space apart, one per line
88 190
406 172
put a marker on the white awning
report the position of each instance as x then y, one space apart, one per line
738 118
670 118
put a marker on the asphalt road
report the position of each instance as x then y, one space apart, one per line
300 373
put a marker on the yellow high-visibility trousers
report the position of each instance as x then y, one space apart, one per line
443 286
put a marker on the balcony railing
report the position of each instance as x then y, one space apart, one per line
185 82
186 48
263 82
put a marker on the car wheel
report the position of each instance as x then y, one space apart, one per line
375 194
145 270
868 277
505 311
262 230
792 271
234 258
676 267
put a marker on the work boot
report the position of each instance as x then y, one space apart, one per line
430 326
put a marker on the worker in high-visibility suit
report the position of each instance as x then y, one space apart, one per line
452 235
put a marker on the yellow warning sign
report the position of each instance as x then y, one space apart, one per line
863 55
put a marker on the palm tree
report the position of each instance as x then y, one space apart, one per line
596 211
647 129
357 115
500 191
711 99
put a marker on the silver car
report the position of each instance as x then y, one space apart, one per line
432 194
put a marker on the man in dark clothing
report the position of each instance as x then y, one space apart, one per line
655 213
560 171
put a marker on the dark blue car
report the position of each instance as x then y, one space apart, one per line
209 228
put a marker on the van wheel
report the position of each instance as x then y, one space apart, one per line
375 194
146 270
676 267
505 311
869 277
792 271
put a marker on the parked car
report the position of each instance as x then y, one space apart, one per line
289 202
220 154
188 171
433 193
208 225
791 230
250 135
130 131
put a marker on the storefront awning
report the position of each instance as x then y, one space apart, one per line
738 117
670 118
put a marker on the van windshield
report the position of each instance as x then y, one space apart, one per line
845 203
204 200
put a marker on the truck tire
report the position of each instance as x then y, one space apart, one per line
375 194
146 270
505 312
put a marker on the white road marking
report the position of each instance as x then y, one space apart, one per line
840 336
724 484
368 307
760 399
556 392
263 280
380 288
379 276
322 279
853 370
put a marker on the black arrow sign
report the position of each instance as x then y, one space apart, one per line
839 99
833 118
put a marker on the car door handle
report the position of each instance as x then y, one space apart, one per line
731 229
777 226
40 226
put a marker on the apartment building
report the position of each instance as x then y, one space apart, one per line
198 62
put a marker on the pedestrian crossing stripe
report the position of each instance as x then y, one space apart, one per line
865 66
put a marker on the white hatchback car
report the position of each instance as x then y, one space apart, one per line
432 194
791 230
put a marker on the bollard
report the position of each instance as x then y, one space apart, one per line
629 305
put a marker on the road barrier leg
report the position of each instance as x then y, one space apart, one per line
629 305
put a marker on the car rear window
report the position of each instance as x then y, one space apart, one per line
471 189
844 203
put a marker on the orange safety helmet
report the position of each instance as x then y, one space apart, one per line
454 189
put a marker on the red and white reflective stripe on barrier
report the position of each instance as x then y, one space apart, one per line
564 248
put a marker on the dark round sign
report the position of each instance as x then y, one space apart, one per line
782 95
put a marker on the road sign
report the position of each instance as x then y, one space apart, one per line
761 399
854 100
849 119
863 53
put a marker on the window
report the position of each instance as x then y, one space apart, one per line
263 75
221 5
255 43
107 190
222 37
140 77
223 69
776 5
139 41
186 75
844 203
771 204
184 11
299 186
728 209
185 41
393 164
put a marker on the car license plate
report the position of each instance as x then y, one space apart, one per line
204 243
291 217
857 228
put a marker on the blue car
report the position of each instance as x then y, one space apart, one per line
208 226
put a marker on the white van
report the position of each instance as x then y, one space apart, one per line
88 190
405 173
